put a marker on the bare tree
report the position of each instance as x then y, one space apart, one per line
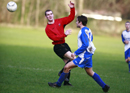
80 10
23 11
30 12
37 13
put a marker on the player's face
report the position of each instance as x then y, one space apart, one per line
77 23
127 25
49 16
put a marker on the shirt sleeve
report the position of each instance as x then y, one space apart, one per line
68 19
123 39
85 43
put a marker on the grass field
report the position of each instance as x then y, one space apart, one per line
28 63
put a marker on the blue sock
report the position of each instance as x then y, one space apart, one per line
61 78
129 65
97 78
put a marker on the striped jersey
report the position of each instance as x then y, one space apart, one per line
86 47
126 36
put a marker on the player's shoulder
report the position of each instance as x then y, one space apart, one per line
85 29
48 26
88 30
123 32
59 20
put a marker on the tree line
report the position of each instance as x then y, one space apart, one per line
31 12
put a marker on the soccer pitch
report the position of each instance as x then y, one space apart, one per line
28 63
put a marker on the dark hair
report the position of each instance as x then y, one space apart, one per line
127 22
83 19
47 11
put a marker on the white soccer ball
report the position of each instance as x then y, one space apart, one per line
11 6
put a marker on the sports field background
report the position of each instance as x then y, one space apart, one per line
28 63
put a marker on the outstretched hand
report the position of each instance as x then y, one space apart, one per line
71 5
67 32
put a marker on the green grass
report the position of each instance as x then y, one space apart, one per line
28 63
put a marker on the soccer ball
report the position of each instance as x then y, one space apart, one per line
11 6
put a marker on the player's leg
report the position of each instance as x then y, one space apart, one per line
64 52
66 82
67 59
97 78
63 75
67 56
129 63
58 49
127 58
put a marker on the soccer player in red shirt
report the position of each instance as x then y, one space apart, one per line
55 31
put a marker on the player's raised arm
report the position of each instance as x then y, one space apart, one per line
71 5
70 18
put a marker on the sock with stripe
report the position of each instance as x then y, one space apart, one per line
61 78
97 78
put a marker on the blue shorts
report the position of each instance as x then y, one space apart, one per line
83 62
127 53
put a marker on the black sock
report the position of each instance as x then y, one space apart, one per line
68 77
61 70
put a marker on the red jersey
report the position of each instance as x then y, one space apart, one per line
56 31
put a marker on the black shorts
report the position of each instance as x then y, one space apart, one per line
61 49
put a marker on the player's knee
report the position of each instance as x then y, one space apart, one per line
71 58
68 55
66 68
90 72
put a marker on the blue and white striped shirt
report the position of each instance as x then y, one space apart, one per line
126 36
85 45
